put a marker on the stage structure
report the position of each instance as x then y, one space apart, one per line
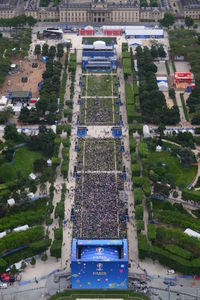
99 264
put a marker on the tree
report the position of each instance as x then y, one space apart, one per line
60 51
45 50
168 20
154 51
44 257
37 50
52 52
160 130
161 51
23 265
10 132
5 115
33 261
189 22
39 165
24 115
172 93
186 156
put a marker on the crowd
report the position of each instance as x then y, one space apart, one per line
99 155
98 212
99 111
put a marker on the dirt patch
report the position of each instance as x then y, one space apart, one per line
169 101
13 82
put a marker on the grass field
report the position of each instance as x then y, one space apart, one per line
97 85
74 294
182 176
23 162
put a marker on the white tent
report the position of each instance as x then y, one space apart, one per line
32 176
2 234
21 228
49 162
11 201
99 45
146 132
192 233
158 148
30 195
3 101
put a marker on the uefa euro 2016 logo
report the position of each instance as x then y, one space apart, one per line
99 267
99 250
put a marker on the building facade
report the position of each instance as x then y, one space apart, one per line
100 11
8 9
191 8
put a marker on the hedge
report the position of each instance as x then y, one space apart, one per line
179 251
30 217
138 181
3 265
179 219
55 249
132 142
139 225
58 233
135 170
129 94
17 239
40 246
124 47
191 195
135 127
143 150
151 230
139 212
147 186
138 196
134 157
166 258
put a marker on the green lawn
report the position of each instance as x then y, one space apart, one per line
74 294
182 176
23 162
97 85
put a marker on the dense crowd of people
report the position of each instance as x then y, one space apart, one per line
99 111
98 211
99 155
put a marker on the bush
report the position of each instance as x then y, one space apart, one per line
55 249
33 261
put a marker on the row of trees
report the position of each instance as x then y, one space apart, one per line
17 22
152 101
50 52
169 20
